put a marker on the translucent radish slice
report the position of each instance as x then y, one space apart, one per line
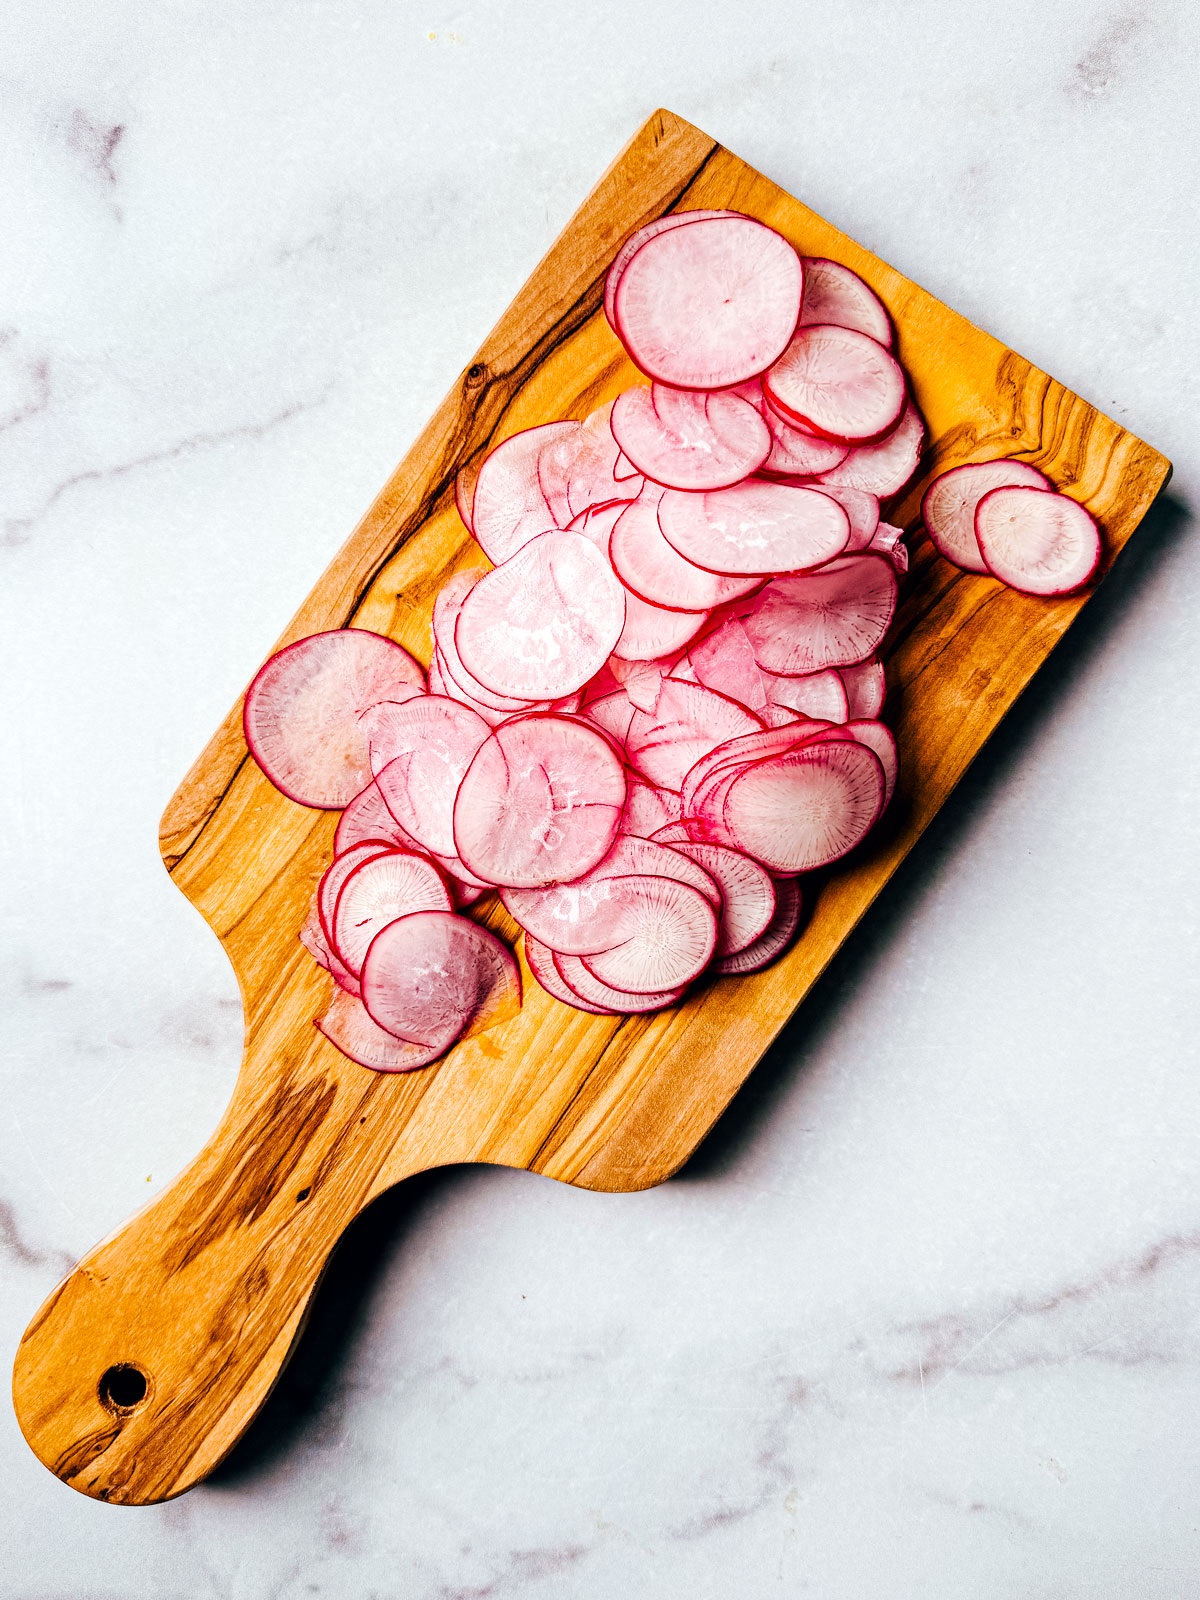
755 528
599 472
335 875
634 243
861 507
793 453
834 294
780 932
614 712
948 509
820 694
540 803
1036 542
544 621
433 977
465 480
647 808
836 382
690 439
881 742
424 749
348 1025
651 632
312 937
458 682
510 507
884 468
724 661
632 857
541 963
301 716
670 935
602 996
831 618
889 541
656 572
688 723
747 894
801 811
711 304
376 893
743 751
368 818
641 680
865 687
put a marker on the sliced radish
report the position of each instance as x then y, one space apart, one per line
544 621
458 682
335 875
540 804
779 933
709 305
883 468
747 894
641 680
465 480
541 963
602 996
831 618
948 509
743 750
834 294
433 977
861 507
690 439
865 687
670 935
349 1026
801 811
376 893
656 572
838 383
614 713
368 818
794 453
424 749
819 694
688 722
312 937
881 742
599 472
510 507
577 919
651 632
724 661
301 715
647 807
1039 543
635 241
755 528
889 541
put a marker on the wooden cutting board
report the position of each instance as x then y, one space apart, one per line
149 1361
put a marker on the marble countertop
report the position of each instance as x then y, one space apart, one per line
921 1319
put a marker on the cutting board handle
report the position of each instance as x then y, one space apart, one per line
150 1360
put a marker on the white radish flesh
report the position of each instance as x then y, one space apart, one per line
509 506
689 439
747 894
832 293
880 740
755 528
884 468
670 935
838 383
724 662
1042 544
673 219
948 509
801 811
376 893
368 818
779 933
433 977
831 618
651 632
421 752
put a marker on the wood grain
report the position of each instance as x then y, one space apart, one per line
205 1291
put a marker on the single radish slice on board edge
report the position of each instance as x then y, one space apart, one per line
948 509
1042 544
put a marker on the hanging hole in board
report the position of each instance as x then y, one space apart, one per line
123 1387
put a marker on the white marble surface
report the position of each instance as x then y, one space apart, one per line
922 1319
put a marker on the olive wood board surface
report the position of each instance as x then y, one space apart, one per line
149 1361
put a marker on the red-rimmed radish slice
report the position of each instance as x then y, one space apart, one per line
368 818
651 632
880 740
690 439
689 722
866 688
376 893
861 507
834 294
541 963
755 528
820 694
635 241
1036 542
613 713
889 541
426 747
301 716
793 453
647 807
709 305
948 508
600 472
335 875
831 618
544 621
655 571
465 480
641 680
433 977
744 750
458 683
633 857
801 811
724 662
541 802
838 383
510 507
312 937
670 934
747 894
602 996
883 468
779 933
350 1028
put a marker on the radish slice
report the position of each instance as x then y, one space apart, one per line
881 742
656 572
577 919
747 894
541 963
709 305
861 507
673 219
433 977
688 723
889 541
599 471
744 751
465 480
540 803
376 893
424 750
1036 542
865 688
780 932
755 528
948 509
348 1025
367 817
335 875
613 713
820 694
312 937
835 382
834 294
883 468
831 618
724 662
301 715
647 807
458 682
641 680
670 935
793 452
602 996
801 811
651 632
510 507
690 439
543 622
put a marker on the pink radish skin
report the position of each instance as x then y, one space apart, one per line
820 694
1038 543
690 439
778 935
948 508
348 1026
688 722
602 996
641 680
541 963
747 894
709 305
426 748
301 713
866 688
670 935
837 383
432 977
655 571
834 294
801 811
883 469
754 529
647 807
831 618
376 893
673 219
